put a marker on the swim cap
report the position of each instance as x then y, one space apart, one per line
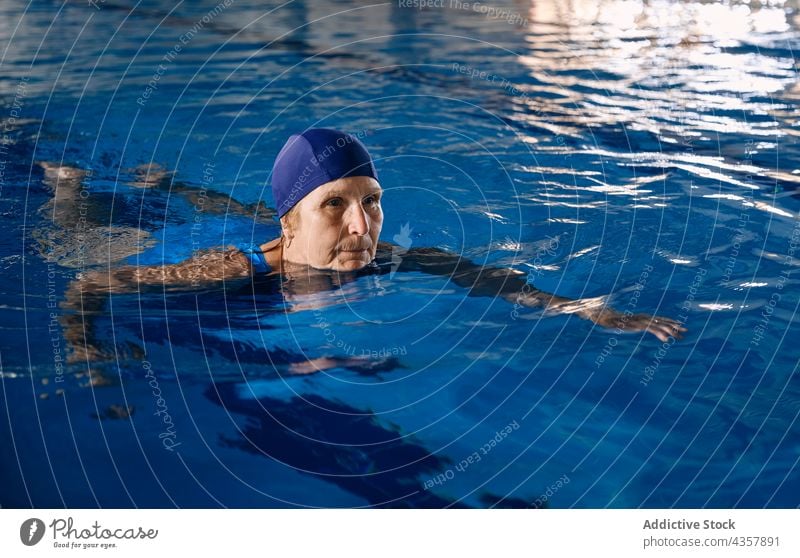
313 158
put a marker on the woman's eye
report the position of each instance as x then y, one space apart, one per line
334 202
370 200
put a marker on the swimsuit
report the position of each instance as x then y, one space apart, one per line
256 257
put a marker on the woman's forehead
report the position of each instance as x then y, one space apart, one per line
352 185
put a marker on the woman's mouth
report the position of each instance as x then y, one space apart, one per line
353 254
354 250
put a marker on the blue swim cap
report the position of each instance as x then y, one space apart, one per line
313 158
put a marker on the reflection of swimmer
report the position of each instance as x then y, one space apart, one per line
329 202
91 229
154 177
77 236
87 229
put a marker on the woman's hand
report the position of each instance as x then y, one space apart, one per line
663 328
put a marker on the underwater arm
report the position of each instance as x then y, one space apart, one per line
511 285
87 294
202 269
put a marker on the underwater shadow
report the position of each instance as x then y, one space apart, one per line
385 473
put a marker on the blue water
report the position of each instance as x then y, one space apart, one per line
599 144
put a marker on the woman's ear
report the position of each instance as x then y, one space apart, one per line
288 224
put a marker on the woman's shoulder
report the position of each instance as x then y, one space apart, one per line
271 245
272 253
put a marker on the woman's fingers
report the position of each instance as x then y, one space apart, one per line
664 328
658 333
663 334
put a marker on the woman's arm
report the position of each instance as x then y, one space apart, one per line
511 285
86 295
202 269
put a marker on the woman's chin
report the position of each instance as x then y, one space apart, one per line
351 263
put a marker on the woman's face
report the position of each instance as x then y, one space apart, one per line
338 225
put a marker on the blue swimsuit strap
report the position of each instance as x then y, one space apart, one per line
256 256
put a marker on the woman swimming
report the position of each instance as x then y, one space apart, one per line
328 200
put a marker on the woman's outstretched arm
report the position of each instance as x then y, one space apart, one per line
87 294
512 286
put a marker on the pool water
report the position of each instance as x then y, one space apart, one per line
647 153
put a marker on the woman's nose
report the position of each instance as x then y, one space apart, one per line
358 223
